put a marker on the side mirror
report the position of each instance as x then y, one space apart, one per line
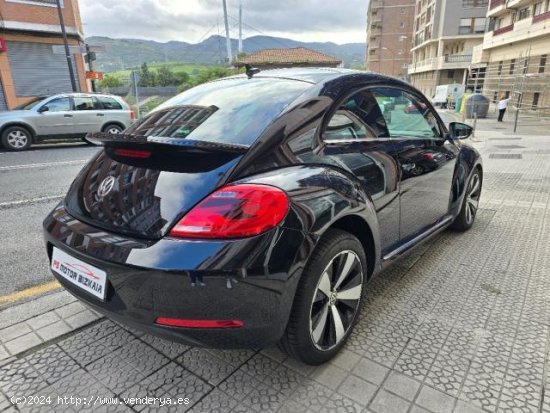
459 130
43 109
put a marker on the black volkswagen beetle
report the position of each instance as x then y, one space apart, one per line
254 209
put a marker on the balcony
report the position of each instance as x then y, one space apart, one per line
541 17
525 30
448 62
504 29
496 7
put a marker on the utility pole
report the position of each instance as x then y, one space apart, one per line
66 43
227 38
240 27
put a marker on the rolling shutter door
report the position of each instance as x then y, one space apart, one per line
3 104
37 71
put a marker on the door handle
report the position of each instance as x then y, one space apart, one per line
100 114
67 116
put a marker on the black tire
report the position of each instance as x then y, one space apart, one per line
470 203
16 138
334 250
112 127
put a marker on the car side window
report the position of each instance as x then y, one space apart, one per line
358 117
83 103
109 103
59 105
406 115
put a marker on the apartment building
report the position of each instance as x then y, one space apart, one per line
514 53
29 64
445 34
389 36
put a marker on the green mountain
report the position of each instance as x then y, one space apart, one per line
126 53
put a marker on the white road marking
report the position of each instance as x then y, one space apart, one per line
6 205
43 165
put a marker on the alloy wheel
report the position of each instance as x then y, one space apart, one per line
472 198
336 300
113 130
17 139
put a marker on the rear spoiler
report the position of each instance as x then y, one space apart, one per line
121 140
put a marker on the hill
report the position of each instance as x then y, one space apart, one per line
126 53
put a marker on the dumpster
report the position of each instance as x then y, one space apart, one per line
478 104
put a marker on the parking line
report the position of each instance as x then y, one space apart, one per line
42 165
29 292
11 204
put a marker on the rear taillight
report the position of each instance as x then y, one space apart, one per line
133 153
132 114
235 211
428 156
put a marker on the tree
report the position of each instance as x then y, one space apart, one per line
182 78
165 77
147 78
109 81
211 73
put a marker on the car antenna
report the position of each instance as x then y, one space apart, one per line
251 71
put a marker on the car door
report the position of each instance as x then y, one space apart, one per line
114 111
426 161
87 116
357 140
54 118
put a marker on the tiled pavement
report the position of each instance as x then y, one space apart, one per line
460 326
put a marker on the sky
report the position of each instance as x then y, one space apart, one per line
342 21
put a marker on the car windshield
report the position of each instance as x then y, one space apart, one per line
232 111
30 104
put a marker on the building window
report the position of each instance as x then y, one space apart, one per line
474 3
524 13
402 10
500 68
512 66
402 25
450 74
471 25
537 8
542 64
465 26
536 97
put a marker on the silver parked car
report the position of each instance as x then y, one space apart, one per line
71 115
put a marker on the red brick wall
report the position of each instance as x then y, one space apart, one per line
31 13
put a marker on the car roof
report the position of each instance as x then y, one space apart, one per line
321 75
84 95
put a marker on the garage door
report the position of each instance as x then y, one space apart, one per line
36 70
3 105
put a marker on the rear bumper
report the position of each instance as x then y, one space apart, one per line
252 280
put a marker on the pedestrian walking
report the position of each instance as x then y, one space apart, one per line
502 105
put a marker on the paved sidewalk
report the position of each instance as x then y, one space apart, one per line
460 326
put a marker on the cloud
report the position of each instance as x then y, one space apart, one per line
191 20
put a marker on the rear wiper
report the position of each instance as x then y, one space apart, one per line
128 140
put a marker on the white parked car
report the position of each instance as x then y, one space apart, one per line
64 116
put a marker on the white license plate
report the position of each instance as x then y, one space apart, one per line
89 278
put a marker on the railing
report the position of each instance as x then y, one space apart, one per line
495 3
458 58
541 17
504 29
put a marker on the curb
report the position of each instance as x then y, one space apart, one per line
32 324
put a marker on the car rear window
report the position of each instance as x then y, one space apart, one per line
109 103
233 111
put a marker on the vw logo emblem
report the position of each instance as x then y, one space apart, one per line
106 186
